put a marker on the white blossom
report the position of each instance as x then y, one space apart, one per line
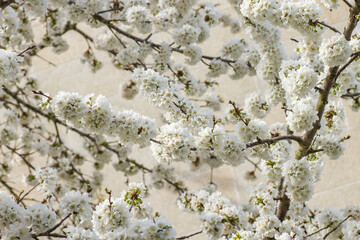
334 51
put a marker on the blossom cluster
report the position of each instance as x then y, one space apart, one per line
307 83
98 117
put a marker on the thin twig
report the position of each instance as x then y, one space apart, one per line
336 227
326 25
350 95
27 193
275 139
189 236
347 3
353 57
46 233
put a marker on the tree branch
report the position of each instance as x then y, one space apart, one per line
146 40
333 230
83 134
274 140
5 3
49 232
353 57
347 3
325 25
189 236
320 107
350 95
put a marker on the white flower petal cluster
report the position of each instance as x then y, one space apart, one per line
41 218
81 10
138 17
331 144
9 66
295 14
163 93
106 41
256 106
47 178
186 35
154 87
217 213
345 81
252 130
262 197
70 106
329 217
16 231
175 144
231 150
333 118
234 49
212 224
335 51
261 10
98 114
297 79
35 7
107 218
216 146
9 22
98 117
79 233
192 86
299 179
265 226
240 68
79 204
217 67
194 54
331 4
165 19
156 228
209 14
308 51
302 115
271 168
11 214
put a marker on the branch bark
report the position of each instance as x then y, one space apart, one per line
5 3
320 107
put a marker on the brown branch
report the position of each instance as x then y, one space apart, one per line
27 193
237 111
354 11
333 230
325 25
320 108
10 189
353 57
21 156
350 95
189 236
347 3
274 140
5 3
49 232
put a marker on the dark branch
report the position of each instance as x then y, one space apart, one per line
274 140
189 236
